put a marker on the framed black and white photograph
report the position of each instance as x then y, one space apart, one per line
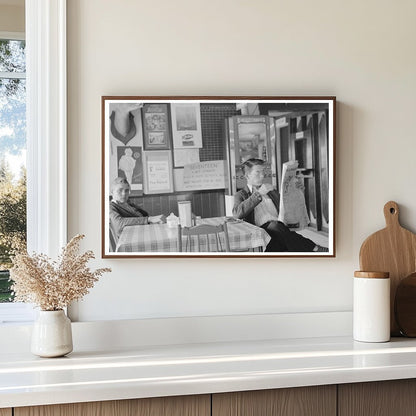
218 177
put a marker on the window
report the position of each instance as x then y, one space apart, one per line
12 155
46 135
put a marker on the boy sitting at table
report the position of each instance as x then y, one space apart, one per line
123 212
258 204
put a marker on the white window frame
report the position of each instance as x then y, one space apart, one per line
46 125
46 135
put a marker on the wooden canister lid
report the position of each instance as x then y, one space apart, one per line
372 275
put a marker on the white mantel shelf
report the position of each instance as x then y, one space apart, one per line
151 371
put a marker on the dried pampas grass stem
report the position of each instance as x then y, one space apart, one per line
53 285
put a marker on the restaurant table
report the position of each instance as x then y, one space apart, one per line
243 236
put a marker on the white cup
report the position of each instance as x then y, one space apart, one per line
185 213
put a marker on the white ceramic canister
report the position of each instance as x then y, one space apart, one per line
371 308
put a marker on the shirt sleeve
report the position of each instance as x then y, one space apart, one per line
118 222
245 206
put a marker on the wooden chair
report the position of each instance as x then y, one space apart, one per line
203 234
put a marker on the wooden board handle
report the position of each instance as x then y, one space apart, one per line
391 214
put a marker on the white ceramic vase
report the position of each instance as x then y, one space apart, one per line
52 334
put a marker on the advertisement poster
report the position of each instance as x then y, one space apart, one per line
130 166
186 126
158 172
158 175
156 129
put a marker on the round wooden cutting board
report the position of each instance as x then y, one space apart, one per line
392 250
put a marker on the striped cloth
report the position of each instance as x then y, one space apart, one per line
160 238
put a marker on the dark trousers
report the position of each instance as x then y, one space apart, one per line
285 240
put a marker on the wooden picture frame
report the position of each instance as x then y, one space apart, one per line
195 148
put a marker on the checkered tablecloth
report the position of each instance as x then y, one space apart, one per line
161 238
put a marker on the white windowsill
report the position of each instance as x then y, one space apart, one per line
161 357
16 313
155 371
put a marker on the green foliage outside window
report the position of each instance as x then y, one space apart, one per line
12 224
12 146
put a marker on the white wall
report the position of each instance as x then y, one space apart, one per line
360 51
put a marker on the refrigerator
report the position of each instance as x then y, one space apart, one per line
276 139
249 137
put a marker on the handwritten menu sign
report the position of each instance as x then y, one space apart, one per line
204 175
158 175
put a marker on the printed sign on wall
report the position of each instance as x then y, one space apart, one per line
186 125
204 175
158 172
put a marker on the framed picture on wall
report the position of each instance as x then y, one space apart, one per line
156 126
186 125
158 173
218 177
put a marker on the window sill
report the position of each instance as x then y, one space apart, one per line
155 371
16 313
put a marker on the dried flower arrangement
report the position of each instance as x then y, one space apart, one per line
52 285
